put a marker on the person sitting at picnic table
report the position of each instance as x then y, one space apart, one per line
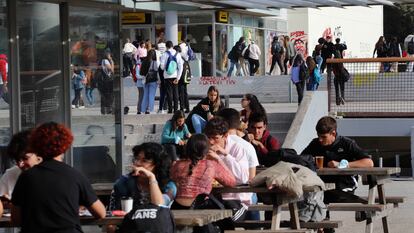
250 105
205 110
195 173
338 152
175 134
260 138
47 197
18 150
148 181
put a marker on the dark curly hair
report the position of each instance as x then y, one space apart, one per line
216 126
19 145
254 104
162 161
50 140
197 147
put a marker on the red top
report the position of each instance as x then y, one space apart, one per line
204 173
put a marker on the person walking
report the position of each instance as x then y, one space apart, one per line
290 53
326 53
106 86
277 51
299 75
234 56
339 81
254 56
127 57
78 83
381 51
185 77
394 50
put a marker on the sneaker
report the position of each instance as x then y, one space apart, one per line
161 112
147 112
138 112
73 106
81 107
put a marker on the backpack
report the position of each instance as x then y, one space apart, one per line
410 46
191 54
276 48
171 66
295 74
186 76
148 218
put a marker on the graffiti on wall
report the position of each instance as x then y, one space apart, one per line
209 80
300 40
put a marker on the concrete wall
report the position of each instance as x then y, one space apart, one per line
302 130
359 27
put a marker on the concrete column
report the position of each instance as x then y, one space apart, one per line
171 26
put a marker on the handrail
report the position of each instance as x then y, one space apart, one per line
365 60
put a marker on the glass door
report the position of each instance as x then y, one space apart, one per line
40 54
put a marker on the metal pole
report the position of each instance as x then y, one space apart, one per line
397 163
380 162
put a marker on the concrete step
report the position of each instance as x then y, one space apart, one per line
94 129
279 126
280 117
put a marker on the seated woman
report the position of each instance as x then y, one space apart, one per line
148 181
195 174
175 134
250 104
205 110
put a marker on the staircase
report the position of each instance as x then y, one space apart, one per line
279 124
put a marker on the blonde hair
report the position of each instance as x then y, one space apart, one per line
217 101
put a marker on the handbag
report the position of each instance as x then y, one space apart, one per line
152 75
345 74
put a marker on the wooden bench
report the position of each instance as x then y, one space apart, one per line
306 225
358 207
395 200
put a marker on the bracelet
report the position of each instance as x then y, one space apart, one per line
154 181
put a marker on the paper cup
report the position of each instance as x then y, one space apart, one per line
126 204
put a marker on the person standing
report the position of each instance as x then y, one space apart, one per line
185 78
161 48
340 47
277 51
106 86
394 50
172 65
254 56
127 57
409 45
150 68
78 83
234 56
290 53
4 70
381 51
339 81
326 53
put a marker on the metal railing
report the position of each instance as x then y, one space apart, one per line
377 87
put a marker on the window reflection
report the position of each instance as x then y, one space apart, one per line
94 60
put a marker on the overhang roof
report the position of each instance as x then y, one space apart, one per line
273 4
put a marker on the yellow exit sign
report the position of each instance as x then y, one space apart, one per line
222 16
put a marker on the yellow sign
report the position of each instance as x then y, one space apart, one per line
223 17
133 18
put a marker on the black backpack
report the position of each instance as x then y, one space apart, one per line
410 46
148 218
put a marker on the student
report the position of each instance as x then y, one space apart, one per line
172 65
205 110
47 197
195 173
18 149
150 68
260 137
338 151
175 134
299 75
277 51
234 56
250 105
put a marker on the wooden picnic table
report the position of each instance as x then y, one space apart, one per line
279 198
375 178
181 218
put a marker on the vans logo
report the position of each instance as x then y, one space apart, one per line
145 213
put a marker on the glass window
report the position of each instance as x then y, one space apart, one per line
94 50
235 19
40 57
4 95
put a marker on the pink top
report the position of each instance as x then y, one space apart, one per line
204 173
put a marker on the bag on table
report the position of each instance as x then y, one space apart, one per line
148 218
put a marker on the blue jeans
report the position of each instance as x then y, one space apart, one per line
253 215
232 64
89 95
319 61
147 104
198 123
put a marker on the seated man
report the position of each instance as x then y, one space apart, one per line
18 150
334 149
261 139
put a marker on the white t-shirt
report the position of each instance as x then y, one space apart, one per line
251 152
8 180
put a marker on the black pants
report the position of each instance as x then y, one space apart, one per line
277 58
285 62
254 66
172 94
77 100
106 92
339 89
128 64
184 102
300 88
175 151
163 95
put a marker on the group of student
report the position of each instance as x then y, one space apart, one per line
163 64
46 193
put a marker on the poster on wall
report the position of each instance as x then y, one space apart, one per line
300 40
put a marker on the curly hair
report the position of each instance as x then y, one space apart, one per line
50 140
197 148
19 145
162 161
216 126
254 104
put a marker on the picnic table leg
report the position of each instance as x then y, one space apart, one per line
294 216
369 228
276 216
382 200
